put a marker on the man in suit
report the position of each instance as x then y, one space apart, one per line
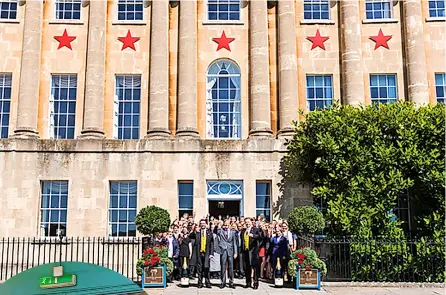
239 260
173 250
227 244
250 248
204 250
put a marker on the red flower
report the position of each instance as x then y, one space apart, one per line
151 251
300 261
146 251
146 262
301 256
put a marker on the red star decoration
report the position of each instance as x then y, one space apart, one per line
223 41
64 40
128 41
318 40
381 40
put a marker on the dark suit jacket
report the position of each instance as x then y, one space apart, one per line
209 246
253 246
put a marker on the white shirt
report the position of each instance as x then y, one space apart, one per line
170 249
289 236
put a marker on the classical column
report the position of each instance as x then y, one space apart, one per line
417 84
352 73
187 70
288 93
27 112
93 125
259 70
159 71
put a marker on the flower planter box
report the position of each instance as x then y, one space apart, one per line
308 279
154 277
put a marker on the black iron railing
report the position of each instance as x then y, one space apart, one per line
118 254
347 259
380 260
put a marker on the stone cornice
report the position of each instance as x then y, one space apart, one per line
173 145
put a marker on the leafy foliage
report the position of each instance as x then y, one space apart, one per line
306 257
360 161
154 257
151 220
306 220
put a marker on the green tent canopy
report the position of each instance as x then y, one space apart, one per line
91 279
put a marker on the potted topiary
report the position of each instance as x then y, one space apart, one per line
306 221
309 269
154 265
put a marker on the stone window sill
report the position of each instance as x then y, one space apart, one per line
380 21
10 21
65 22
223 22
317 22
130 22
435 19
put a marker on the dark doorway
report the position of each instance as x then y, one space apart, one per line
224 208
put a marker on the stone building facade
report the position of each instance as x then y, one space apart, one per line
109 106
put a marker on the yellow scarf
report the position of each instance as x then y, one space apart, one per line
246 240
203 243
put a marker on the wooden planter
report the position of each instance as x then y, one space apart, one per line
308 279
154 277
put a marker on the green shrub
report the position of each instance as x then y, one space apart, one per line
151 220
306 220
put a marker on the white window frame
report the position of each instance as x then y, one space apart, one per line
442 85
389 100
9 10
70 19
41 231
191 182
378 1
129 20
116 108
323 87
217 21
5 79
209 101
436 9
51 123
127 208
320 2
270 198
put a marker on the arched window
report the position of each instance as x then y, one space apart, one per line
223 102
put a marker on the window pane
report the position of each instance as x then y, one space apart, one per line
128 94
226 106
124 194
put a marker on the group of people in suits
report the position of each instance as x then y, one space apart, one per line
221 243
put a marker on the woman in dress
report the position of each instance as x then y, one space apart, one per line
262 249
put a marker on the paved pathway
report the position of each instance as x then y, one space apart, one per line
267 288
